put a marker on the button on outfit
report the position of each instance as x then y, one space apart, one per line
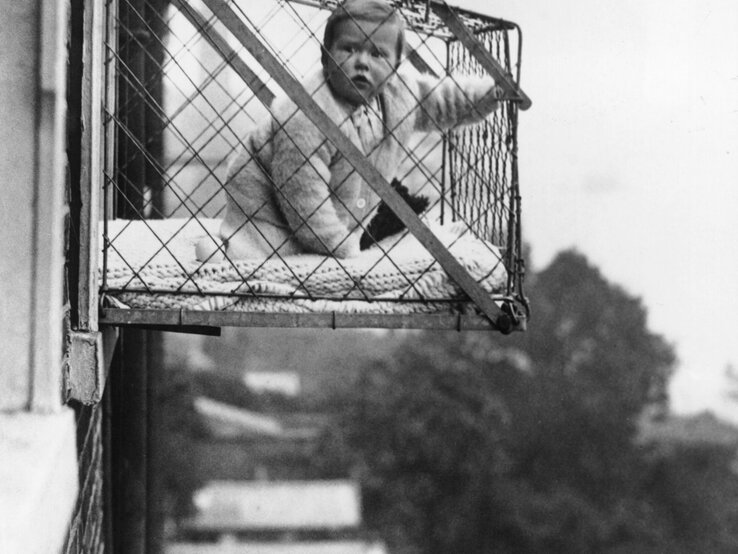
368 121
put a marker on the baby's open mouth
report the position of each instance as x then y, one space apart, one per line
361 81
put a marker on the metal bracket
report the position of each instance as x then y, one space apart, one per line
87 364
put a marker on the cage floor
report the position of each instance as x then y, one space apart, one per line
153 277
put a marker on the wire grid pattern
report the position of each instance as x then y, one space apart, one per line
481 157
181 109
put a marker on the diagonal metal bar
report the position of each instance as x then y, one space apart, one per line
477 49
362 166
220 44
419 63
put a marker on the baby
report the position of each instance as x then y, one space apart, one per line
289 190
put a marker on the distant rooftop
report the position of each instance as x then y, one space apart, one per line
235 506
231 422
279 382
338 547
701 429
226 420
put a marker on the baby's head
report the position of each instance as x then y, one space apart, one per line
362 46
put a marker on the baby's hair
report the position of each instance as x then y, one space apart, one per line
374 11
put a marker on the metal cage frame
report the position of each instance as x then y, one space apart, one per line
102 144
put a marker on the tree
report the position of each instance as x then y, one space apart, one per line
421 431
473 443
595 367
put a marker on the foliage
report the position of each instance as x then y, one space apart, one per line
179 430
185 446
427 437
594 368
476 443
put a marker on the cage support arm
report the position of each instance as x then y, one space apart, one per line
477 49
363 167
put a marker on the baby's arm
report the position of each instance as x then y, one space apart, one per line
301 173
454 101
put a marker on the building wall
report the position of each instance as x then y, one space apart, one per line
19 106
87 531
49 452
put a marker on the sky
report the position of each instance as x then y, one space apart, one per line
629 154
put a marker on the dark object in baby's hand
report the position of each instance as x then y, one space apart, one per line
385 223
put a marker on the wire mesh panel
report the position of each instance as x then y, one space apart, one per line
219 211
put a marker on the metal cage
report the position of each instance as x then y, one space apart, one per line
178 85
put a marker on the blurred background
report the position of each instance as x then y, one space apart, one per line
630 155
607 427
561 439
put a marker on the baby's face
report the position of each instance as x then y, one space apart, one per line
361 59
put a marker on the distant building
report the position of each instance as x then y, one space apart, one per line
278 382
319 547
276 517
244 444
701 429
692 431
225 421
242 507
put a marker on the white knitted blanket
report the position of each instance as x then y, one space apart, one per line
151 264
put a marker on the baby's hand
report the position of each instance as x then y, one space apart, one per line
348 248
498 92
207 250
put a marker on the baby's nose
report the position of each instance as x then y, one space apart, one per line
362 58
